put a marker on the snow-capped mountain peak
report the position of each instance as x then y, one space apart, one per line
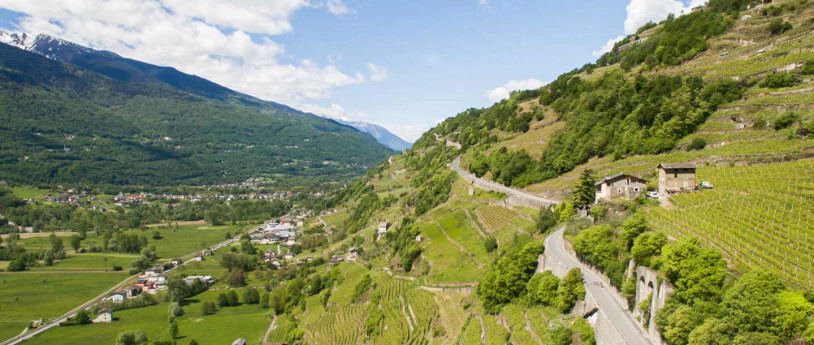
20 40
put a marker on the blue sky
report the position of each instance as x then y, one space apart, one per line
402 64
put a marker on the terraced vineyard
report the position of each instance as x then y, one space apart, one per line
502 222
759 216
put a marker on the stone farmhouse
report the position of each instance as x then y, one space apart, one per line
619 185
676 178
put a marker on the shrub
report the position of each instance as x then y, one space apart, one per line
251 296
175 309
778 80
697 144
778 26
546 220
208 308
490 244
784 121
808 68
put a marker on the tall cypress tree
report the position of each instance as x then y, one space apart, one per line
584 192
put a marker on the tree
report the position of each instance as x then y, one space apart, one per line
175 310
546 219
193 342
697 272
570 290
316 285
778 26
82 317
713 331
251 296
237 278
647 247
76 241
173 330
584 192
233 300
490 244
222 300
793 311
697 144
56 243
633 226
208 307
264 300
16 265
542 288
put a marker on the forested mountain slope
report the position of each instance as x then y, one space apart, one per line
135 123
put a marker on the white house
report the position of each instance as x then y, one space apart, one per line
105 316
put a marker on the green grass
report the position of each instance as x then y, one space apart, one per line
226 325
456 225
448 262
29 192
26 296
186 239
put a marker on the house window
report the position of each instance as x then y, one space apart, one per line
635 189
676 174
619 191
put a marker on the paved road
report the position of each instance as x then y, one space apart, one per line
497 187
606 298
55 322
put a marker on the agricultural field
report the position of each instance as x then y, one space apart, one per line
504 224
36 294
227 324
758 215
186 239
29 192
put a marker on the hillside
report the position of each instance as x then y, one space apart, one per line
718 88
127 122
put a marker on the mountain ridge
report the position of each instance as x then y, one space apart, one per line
180 127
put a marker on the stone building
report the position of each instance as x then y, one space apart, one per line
619 185
676 178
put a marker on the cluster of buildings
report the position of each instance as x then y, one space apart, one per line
126 199
673 178
154 279
284 232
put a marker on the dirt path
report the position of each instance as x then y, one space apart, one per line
482 330
406 317
475 224
271 328
530 330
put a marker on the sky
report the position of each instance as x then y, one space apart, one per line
405 65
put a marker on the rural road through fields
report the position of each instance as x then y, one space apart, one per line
55 322
621 319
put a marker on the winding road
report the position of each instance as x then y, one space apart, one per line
497 187
607 299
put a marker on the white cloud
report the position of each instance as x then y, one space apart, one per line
408 132
376 73
504 91
226 41
483 2
639 12
337 7
608 45
335 111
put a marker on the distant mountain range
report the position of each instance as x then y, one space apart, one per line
69 113
381 134
116 67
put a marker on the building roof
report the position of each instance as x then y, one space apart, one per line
677 166
615 177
